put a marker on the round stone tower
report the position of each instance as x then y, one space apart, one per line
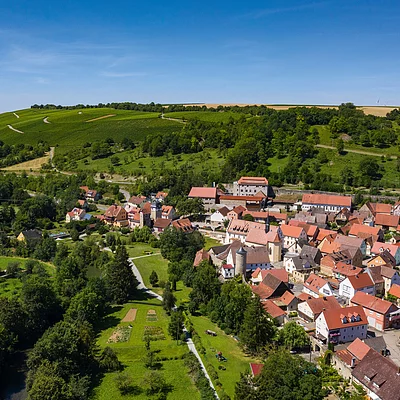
241 262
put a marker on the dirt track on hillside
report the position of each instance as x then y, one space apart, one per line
104 116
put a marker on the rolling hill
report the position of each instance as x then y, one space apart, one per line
72 128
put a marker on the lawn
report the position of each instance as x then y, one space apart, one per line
131 353
147 264
140 249
237 362
210 242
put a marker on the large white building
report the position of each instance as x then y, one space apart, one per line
251 185
341 325
356 283
329 203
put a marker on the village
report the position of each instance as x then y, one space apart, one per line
320 262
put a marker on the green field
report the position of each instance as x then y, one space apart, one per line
237 362
68 128
210 242
208 116
133 161
131 353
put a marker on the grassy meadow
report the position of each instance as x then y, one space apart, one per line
132 352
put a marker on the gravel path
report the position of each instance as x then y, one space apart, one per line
16 115
46 121
367 153
13 129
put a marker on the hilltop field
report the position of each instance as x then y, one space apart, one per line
67 129
162 139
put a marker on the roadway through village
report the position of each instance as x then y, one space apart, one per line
189 341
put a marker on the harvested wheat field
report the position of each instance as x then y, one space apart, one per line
130 315
33 165
379 111
104 116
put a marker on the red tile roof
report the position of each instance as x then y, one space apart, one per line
314 283
379 247
357 228
183 224
256 368
201 255
326 199
360 281
272 309
387 220
317 305
372 303
281 274
395 291
334 317
203 192
291 231
253 180
227 266
358 348
287 298
304 296
162 223
346 269
242 198
324 233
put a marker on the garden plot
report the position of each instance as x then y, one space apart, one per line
130 315
121 334
151 316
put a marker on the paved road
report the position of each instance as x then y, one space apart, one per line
189 341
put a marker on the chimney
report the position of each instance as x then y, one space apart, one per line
267 224
353 362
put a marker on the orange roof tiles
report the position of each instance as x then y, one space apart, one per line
360 281
203 192
272 309
372 303
326 199
287 298
317 305
256 368
395 291
358 348
379 247
281 274
346 269
253 180
323 233
357 228
291 231
334 317
242 198
314 283
387 220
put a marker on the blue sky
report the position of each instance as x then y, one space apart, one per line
297 52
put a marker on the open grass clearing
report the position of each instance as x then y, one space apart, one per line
208 116
132 352
141 249
10 287
237 362
211 242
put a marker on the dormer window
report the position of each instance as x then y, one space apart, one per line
376 385
358 318
345 320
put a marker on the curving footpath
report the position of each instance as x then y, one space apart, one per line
13 129
46 121
190 343
16 115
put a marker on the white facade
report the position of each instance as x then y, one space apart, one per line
346 289
325 207
325 290
227 271
217 218
341 335
237 235
305 309
291 243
